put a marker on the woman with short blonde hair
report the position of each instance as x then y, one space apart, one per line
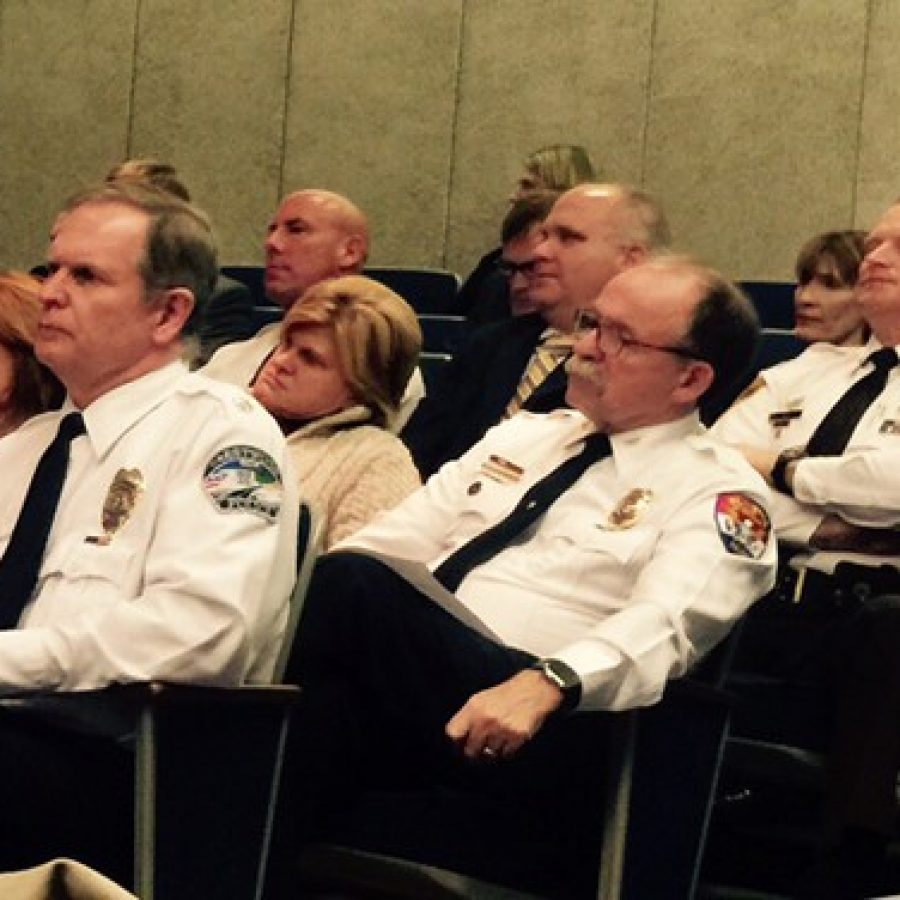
334 383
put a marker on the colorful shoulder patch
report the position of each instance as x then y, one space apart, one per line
244 479
743 525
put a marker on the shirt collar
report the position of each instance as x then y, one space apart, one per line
631 447
110 416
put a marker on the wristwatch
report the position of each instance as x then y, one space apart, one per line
778 474
565 678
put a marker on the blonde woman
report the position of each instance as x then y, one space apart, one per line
335 383
556 167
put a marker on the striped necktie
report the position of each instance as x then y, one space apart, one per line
553 348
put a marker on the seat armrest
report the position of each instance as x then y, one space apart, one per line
114 711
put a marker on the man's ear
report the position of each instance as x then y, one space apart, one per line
352 253
634 255
696 378
174 307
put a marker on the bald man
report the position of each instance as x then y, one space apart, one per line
592 233
314 235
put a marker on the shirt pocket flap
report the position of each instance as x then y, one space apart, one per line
622 544
77 559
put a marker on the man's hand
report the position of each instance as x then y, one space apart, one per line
833 533
498 721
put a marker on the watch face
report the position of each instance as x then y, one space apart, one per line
560 674
550 672
565 678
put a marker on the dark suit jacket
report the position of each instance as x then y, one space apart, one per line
484 295
227 317
474 389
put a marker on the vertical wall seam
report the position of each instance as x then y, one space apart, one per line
854 186
645 129
454 122
288 77
135 44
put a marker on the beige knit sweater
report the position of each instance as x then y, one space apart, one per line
349 471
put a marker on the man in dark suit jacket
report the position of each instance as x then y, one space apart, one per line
593 232
227 317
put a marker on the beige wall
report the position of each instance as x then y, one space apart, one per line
757 122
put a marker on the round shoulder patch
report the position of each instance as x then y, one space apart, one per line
743 525
241 478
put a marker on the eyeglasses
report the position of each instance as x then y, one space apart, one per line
612 342
510 269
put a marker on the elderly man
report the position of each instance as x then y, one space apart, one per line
566 562
593 232
826 436
156 537
315 235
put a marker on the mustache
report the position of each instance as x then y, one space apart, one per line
583 368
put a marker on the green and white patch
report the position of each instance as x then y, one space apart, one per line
241 478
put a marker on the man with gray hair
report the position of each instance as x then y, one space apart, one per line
564 563
147 528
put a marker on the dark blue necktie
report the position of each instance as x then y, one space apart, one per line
834 431
534 503
22 560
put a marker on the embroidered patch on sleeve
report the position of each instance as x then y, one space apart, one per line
743 525
244 479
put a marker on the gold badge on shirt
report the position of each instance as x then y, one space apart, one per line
121 498
628 510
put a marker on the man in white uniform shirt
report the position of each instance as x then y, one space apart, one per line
634 571
838 514
171 551
314 235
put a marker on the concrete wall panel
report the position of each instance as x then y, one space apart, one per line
536 73
878 179
65 85
370 115
209 98
752 135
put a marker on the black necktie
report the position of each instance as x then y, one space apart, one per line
22 559
533 504
834 431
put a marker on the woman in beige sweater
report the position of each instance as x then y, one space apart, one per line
334 383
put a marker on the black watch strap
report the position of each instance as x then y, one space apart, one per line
779 470
565 678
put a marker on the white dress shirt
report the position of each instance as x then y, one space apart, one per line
862 485
626 607
180 587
